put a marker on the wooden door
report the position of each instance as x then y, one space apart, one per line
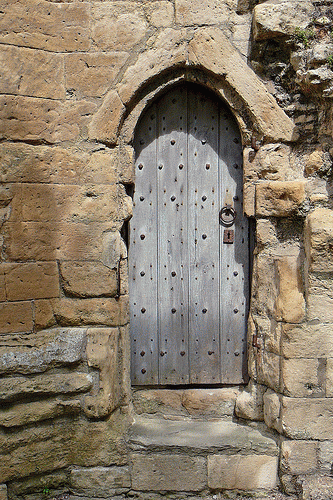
189 283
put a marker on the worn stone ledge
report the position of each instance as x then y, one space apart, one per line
56 347
14 388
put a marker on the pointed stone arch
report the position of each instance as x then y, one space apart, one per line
183 54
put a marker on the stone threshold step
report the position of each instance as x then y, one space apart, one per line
186 435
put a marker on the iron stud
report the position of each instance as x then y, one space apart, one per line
142 198
182 353
142 353
140 166
142 236
173 310
173 273
235 311
204 236
204 311
143 370
143 310
142 273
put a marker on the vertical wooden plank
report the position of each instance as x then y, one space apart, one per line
234 257
203 225
172 238
143 257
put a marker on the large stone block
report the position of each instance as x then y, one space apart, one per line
276 18
92 74
315 487
160 13
43 314
307 341
250 403
117 26
304 418
56 347
325 456
272 410
34 73
95 311
299 457
279 199
105 124
319 240
164 401
54 27
32 118
242 472
193 12
304 377
33 280
28 413
101 482
91 203
103 353
268 369
168 472
16 317
272 162
88 279
56 165
15 388
320 308
213 402
51 240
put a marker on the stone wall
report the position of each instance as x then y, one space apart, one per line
75 77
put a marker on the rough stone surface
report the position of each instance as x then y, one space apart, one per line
88 279
316 418
249 403
105 124
28 413
319 238
61 346
250 472
100 481
168 473
187 434
3 492
299 457
279 199
35 280
16 317
315 488
306 341
274 18
304 377
14 388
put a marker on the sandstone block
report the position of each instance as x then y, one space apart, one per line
123 277
266 233
3 492
329 377
2 286
14 388
272 410
43 314
56 480
304 377
32 118
320 308
272 162
319 240
103 353
50 240
56 347
56 165
325 456
299 457
118 27
279 199
101 482
189 12
105 124
250 402
168 473
276 18
307 418
213 402
290 303
211 49
16 317
32 73
27 413
92 203
160 13
163 401
49 26
168 49
242 472
88 279
95 311
32 280
92 74
307 341
114 249
315 487
268 370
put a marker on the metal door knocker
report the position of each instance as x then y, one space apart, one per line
227 215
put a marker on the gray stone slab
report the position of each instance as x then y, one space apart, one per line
158 434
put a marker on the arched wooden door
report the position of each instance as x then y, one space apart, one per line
188 270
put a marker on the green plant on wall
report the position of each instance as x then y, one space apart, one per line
46 491
330 61
304 35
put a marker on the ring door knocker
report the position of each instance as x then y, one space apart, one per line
227 218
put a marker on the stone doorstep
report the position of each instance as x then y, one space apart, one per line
192 456
187 435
